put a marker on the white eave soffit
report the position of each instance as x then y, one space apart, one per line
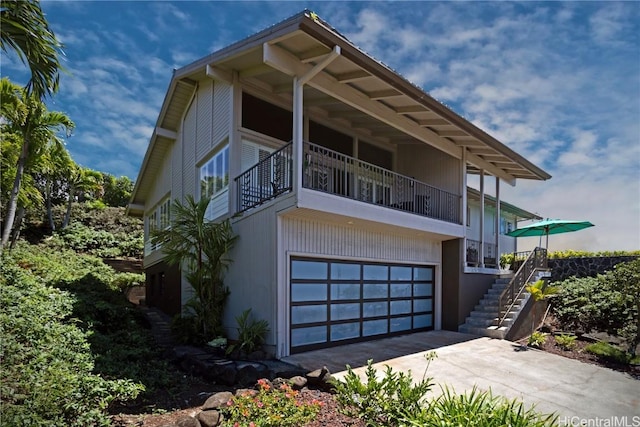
285 62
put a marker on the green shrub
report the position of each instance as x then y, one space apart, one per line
47 366
268 407
537 339
566 341
590 303
609 352
381 402
478 409
125 281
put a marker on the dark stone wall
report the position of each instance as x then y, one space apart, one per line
563 268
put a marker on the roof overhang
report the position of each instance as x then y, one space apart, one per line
353 89
520 213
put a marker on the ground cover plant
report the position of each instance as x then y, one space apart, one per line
48 369
73 347
269 406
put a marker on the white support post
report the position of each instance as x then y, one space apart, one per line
298 128
481 249
463 203
498 221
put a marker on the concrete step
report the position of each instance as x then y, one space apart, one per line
492 331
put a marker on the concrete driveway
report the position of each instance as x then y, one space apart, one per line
580 393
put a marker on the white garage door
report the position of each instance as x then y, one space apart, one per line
334 302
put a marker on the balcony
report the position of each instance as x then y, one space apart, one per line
334 173
473 254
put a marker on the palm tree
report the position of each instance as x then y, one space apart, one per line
80 180
28 117
202 248
24 29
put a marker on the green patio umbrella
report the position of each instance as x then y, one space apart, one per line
549 226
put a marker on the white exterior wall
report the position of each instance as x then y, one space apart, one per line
302 237
431 166
252 275
221 112
204 119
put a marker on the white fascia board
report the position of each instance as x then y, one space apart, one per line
166 133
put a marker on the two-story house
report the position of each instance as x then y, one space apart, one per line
346 184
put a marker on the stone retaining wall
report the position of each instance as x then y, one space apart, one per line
563 268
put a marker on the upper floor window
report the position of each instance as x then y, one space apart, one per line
158 219
214 174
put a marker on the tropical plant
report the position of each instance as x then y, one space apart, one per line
27 117
201 247
382 402
80 180
251 333
24 29
539 291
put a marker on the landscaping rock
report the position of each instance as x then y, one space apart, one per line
247 375
320 379
209 418
217 400
187 421
298 382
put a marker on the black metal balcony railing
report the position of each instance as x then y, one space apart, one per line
266 180
335 173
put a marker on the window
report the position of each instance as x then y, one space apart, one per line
158 219
214 174
505 226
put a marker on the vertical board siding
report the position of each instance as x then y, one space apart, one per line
189 134
251 277
431 166
204 119
176 169
221 111
307 237
161 185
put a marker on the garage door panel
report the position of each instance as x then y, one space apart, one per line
334 302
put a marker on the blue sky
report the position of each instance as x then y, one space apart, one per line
559 82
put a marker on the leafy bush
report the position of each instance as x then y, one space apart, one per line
382 402
268 407
478 409
102 243
251 333
566 341
590 303
47 366
609 302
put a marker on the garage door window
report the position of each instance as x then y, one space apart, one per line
334 302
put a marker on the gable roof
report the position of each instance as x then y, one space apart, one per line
354 89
